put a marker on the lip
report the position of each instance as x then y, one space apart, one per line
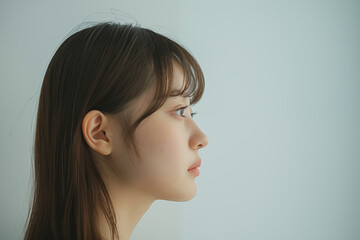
194 168
195 165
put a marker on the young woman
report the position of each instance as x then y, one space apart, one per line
114 132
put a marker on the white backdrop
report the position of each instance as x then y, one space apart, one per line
281 110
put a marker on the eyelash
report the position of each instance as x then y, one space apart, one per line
181 112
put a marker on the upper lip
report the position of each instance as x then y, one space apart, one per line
196 164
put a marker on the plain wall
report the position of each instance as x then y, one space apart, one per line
281 109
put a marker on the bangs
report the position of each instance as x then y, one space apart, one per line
193 82
163 52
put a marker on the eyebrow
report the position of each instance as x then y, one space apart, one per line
175 92
178 92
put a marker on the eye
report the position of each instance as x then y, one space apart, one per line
184 111
180 111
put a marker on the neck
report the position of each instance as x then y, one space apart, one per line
129 205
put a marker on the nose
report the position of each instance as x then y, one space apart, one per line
198 139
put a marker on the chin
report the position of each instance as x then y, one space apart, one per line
183 196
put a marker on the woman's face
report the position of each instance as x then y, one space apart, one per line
168 142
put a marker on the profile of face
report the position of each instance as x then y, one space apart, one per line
111 134
167 142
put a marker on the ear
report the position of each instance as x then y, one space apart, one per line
94 127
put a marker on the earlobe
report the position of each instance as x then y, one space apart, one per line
94 127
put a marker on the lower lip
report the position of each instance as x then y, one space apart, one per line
194 171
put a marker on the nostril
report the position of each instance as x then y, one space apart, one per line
200 145
198 140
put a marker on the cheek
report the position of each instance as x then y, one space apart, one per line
170 143
163 144
165 157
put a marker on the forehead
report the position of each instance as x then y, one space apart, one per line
178 76
178 83
140 104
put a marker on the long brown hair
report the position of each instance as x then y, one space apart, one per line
102 67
